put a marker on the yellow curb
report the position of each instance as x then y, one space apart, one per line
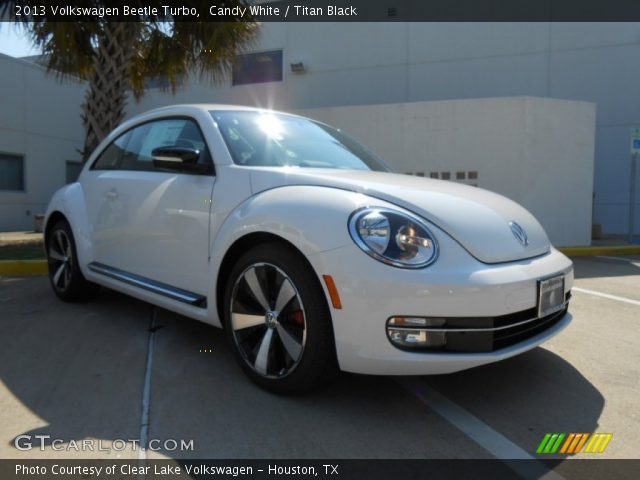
21 268
594 251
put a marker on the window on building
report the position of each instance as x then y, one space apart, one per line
11 172
258 67
73 170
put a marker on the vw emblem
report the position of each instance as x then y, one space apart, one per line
519 233
271 319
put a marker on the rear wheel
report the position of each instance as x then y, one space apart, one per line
64 272
278 321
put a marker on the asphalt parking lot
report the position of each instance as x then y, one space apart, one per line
79 371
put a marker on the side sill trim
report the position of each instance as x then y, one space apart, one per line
159 288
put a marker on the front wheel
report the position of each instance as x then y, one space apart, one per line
278 321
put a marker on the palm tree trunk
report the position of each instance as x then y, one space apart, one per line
106 96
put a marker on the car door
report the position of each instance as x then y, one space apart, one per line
150 218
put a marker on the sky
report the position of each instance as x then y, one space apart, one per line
14 41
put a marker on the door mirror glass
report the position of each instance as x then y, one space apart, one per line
176 158
175 154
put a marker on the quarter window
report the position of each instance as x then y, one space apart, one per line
111 157
11 172
133 149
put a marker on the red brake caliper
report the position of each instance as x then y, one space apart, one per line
297 317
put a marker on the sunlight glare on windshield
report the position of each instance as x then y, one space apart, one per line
271 126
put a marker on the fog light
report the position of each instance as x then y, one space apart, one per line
415 333
417 322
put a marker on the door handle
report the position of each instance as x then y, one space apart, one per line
112 194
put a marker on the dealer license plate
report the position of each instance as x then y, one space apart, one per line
550 296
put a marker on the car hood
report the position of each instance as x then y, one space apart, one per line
477 219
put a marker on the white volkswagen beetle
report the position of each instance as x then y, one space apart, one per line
304 246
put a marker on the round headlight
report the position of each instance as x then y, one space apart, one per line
396 238
375 231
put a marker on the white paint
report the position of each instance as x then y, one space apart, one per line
146 390
607 295
620 259
486 437
537 152
476 218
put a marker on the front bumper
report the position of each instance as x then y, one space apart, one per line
457 285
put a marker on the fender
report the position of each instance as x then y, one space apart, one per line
70 202
312 218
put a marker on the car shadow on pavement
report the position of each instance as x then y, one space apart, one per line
76 371
357 416
69 371
526 397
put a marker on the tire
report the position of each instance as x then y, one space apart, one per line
65 276
278 322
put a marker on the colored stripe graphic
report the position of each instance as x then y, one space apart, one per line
598 442
550 443
543 443
565 447
556 445
581 443
574 443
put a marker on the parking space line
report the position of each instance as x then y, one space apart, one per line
486 437
146 390
632 261
606 295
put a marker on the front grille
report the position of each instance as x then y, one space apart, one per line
513 335
487 334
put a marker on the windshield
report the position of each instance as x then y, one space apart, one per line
265 139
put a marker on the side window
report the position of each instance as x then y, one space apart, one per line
146 138
133 150
111 157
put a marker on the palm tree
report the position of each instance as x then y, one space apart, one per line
120 57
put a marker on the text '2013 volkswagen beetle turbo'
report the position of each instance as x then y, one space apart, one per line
305 248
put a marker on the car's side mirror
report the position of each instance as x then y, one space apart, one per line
181 159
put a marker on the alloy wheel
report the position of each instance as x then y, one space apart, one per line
60 259
268 320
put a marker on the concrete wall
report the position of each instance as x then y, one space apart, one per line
538 152
374 63
40 120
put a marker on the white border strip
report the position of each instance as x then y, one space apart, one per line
632 261
486 437
606 295
146 390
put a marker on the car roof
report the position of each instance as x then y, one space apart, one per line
206 107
